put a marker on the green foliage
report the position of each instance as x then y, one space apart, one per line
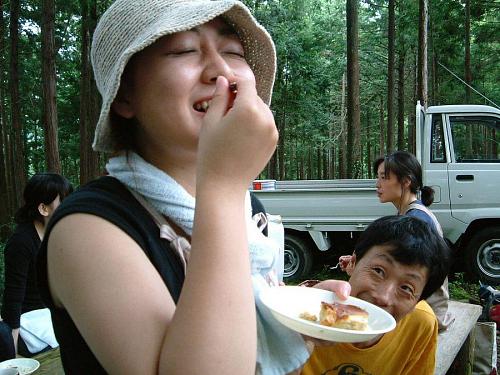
2 271
461 289
310 38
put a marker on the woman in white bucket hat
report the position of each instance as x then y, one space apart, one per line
186 86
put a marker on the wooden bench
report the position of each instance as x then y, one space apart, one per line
50 363
456 336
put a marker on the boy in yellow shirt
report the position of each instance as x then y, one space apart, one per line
399 261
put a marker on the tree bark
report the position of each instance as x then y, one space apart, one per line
89 97
422 53
411 114
390 76
343 131
401 98
381 127
18 144
468 71
6 208
353 111
49 88
369 146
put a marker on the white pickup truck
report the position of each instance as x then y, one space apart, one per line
458 147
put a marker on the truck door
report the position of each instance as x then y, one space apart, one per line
474 171
435 159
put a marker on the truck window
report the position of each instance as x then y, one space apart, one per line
438 154
475 139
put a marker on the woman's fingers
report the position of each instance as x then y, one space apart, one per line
220 101
238 134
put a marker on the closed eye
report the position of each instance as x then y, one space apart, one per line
181 52
237 54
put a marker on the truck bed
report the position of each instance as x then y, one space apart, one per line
320 205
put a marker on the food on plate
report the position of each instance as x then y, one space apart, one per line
339 315
308 316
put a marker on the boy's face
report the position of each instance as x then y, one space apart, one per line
379 279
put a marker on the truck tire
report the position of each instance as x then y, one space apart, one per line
298 258
483 255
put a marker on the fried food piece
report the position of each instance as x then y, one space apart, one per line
344 316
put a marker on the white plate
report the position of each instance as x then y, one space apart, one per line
287 302
25 366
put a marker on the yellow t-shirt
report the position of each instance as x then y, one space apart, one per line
409 349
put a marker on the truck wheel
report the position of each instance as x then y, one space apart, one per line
298 258
483 255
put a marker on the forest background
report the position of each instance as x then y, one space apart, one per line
349 75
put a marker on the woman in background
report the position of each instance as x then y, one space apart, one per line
42 195
399 181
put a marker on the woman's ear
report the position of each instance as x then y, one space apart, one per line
42 209
406 182
121 105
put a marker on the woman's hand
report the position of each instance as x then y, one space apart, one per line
238 136
346 263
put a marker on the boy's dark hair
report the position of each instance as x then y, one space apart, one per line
41 188
404 164
411 241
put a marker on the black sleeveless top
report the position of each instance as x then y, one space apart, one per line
110 199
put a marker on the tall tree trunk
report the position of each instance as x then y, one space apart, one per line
5 208
436 100
401 97
49 87
343 136
330 165
411 114
89 97
18 149
319 161
353 111
468 72
391 32
422 53
369 146
381 127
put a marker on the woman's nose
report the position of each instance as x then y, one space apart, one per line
216 65
377 183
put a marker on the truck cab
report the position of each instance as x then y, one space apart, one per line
458 146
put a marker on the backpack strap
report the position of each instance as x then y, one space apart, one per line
180 245
417 206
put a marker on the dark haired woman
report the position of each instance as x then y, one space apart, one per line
399 181
42 195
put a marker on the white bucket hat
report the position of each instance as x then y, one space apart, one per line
129 26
